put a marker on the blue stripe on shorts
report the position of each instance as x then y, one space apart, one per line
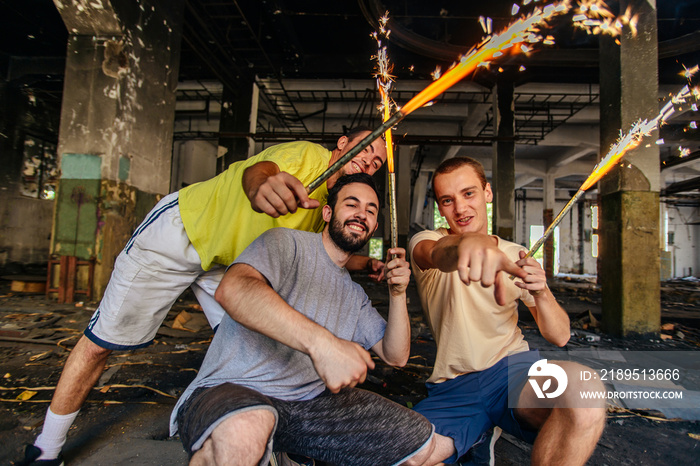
149 220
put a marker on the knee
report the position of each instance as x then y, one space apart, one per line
437 450
90 351
422 455
242 437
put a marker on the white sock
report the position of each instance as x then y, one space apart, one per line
54 434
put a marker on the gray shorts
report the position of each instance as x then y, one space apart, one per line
353 427
155 267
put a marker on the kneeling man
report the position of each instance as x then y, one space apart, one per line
281 370
482 358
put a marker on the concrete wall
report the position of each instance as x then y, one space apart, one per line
685 252
25 222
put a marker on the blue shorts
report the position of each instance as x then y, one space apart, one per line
465 407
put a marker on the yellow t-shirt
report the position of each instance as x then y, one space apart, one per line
471 330
217 215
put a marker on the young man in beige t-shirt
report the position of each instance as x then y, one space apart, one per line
482 357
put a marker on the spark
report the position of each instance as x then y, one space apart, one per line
522 36
436 73
486 25
688 73
684 152
384 83
510 41
639 130
625 143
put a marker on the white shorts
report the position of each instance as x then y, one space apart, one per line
155 267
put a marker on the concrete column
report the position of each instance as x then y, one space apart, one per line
402 159
115 140
549 182
420 190
629 241
237 117
503 178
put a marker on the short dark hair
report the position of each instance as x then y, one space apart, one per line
345 180
450 165
352 133
355 132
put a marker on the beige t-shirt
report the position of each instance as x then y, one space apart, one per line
471 330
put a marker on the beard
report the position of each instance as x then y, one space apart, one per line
346 241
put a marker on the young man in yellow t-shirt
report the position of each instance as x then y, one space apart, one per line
187 240
482 357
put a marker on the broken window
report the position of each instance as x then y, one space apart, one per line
39 169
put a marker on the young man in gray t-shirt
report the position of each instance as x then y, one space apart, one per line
281 370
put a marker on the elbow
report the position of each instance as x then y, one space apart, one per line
224 293
219 295
561 339
399 360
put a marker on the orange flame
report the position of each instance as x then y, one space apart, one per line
591 15
387 134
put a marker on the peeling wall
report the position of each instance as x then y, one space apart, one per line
118 110
119 96
120 210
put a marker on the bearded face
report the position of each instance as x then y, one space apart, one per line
350 236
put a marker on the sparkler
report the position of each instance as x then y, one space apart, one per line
520 37
384 80
624 144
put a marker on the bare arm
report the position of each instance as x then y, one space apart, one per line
474 256
395 347
374 268
274 192
340 363
551 318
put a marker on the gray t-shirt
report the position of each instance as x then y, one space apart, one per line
299 269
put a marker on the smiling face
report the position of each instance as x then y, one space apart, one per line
462 199
353 221
368 161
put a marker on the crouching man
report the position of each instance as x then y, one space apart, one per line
483 362
281 370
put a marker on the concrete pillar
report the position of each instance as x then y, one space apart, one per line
503 178
115 140
420 190
549 182
402 168
238 115
629 241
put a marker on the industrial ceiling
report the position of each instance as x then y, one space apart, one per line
312 63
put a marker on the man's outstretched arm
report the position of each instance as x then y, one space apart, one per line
248 298
395 347
475 256
551 318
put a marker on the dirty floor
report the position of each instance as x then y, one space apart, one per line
126 418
